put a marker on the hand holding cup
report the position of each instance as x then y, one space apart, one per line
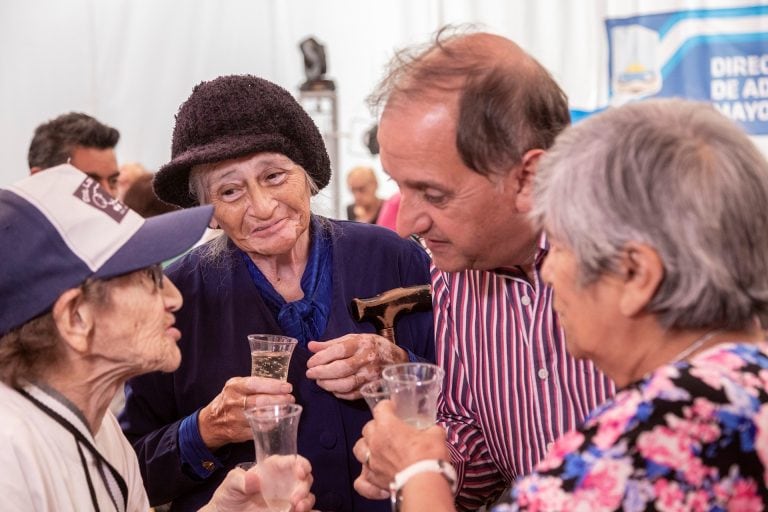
275 429
414 387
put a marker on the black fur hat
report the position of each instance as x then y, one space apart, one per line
234 116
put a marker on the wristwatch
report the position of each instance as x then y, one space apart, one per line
423 466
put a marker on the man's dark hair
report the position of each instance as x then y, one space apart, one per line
506 106
53 141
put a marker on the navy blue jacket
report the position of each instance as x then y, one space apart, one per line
221 307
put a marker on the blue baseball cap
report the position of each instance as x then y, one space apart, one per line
59 228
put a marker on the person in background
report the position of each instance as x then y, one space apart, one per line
656 214
140 197
463 127
246 146
83 307
362 183
388 213
80 140
129 173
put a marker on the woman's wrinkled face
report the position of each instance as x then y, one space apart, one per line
135 329
260 201
588 313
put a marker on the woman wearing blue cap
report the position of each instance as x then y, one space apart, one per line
84 306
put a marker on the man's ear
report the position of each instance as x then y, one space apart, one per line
74 319
35 170
643 273
524 180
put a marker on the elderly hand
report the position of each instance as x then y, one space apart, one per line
390 445
343 365
242 490
223 421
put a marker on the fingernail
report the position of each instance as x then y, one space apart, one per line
286 388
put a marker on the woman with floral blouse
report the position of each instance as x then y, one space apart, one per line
657 216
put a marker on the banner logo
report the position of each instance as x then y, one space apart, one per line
714 55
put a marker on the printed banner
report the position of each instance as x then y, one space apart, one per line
715 55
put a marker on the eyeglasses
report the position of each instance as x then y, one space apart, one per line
155 273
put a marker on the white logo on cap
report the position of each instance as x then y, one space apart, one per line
90 192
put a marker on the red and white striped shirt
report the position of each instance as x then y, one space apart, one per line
510 388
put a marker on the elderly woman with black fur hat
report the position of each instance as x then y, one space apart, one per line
247 147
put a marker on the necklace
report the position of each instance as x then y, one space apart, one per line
696 345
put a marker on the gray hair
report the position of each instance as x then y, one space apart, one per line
29 352
215 250
679 177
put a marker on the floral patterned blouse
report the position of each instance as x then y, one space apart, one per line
689 436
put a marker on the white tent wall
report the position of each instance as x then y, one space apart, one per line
130 63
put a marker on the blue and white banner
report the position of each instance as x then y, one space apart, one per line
718 55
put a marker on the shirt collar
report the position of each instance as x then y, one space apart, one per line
60 404
538 259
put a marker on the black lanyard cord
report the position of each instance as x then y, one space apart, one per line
88 477
82 440
100 467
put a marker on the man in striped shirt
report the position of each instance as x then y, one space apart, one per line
463 127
